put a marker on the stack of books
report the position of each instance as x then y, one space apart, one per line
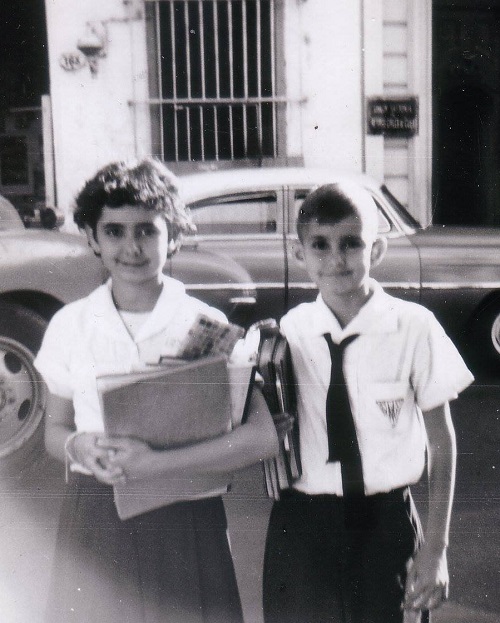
275 366
178 402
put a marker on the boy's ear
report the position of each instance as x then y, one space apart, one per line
298 251
378 251
93 244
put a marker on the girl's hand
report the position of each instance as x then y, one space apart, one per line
86 450
132 457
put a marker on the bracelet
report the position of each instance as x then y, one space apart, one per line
67 450
71 463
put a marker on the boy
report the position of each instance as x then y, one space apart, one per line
345 544
172 563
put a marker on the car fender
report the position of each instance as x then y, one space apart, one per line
215 278
58 265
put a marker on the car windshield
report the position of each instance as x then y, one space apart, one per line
405 217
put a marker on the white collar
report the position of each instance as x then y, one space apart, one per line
105 312
378 315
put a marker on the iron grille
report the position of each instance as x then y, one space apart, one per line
214 79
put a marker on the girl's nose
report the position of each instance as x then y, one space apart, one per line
133 245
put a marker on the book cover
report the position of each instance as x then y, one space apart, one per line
169 406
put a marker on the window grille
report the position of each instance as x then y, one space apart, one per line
216 91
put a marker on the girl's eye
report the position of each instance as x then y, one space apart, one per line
146 230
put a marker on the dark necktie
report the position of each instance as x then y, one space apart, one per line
342 440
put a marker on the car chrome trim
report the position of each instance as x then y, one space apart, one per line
399 285
243 300
304 285
454 285
245 287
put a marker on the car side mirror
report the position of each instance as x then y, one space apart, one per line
51 218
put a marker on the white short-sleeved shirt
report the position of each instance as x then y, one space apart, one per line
87 338
401 364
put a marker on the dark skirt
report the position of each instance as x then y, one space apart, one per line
329 563
171 565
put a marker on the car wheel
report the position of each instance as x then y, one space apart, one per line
484 344
22 391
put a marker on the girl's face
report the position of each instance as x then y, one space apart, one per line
133 244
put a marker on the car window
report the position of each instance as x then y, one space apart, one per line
384 225
249 213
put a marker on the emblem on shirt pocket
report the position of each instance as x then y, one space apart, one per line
391 409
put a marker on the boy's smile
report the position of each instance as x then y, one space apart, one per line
338 258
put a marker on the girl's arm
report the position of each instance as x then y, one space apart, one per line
245 445
60 439
427 581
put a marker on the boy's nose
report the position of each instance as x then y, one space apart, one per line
337 258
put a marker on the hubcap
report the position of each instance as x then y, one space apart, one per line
495 334
22 396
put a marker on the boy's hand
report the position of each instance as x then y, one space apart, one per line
427 580
86 450
129 455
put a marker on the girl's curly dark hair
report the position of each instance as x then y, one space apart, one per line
146 183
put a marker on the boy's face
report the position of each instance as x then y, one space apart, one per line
338 257
132 242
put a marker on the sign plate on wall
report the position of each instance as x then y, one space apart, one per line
393 117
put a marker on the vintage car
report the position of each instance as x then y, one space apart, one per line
241 260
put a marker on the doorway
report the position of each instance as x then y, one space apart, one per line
24 75
466 112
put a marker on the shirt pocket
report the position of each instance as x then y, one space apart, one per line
388 402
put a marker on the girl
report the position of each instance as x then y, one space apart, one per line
172 564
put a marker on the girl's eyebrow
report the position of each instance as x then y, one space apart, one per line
125 223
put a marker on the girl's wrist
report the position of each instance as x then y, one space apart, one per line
69 447
72 447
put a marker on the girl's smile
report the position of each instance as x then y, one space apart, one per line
133 244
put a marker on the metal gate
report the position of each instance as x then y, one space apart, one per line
215 82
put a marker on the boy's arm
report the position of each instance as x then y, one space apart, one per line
60 439
245 445
427 580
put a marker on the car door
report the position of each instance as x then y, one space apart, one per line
398 273
236 260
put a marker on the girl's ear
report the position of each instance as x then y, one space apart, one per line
378 251
93 244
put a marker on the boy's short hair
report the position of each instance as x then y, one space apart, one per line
331 203
146 183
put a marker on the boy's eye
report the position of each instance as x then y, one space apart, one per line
319 244
113 230
352 242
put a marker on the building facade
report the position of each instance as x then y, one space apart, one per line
204 84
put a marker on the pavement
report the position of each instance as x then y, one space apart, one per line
29 507
474 552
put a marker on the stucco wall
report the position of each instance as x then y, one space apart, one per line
92 119
337 53
323 55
